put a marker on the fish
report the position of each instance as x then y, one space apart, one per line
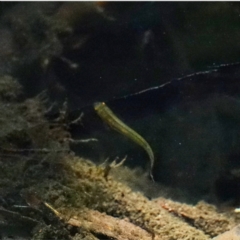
107 116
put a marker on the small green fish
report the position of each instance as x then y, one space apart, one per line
115 123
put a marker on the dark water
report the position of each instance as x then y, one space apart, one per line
191 123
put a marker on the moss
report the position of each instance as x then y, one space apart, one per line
203 216
49 232
34 157
116 199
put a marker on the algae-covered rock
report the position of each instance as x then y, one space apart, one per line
48 190
233 234
36 161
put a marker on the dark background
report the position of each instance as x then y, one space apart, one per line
88 52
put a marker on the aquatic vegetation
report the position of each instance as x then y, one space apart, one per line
203 215
79 190
115 123
83 49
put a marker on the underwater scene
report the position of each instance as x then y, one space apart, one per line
120 120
